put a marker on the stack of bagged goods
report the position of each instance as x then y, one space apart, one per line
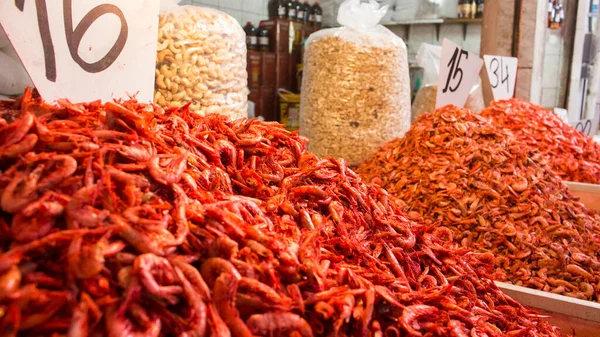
493 194
13 77
124 219
572 155
428 58
201 59
355 89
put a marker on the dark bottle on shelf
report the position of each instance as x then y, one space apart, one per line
317 13
291 10
277 9
263 38
479 9
251 36
306 9
299 11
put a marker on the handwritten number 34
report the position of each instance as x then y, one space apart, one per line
74 36
499 65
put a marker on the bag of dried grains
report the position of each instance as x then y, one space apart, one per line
428 58
356 89
201 59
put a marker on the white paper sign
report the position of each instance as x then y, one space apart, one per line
587 126
85 50
459 70
502 72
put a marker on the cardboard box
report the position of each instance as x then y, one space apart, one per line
269 101
289 110
255 96
254 67
283 72
269 70
279 35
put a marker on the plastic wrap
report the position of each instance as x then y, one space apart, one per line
330 9
4 41
356 88
428 58
13 77
406 10
449 9
428 9
201 58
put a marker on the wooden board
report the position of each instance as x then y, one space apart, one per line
573 316
589 195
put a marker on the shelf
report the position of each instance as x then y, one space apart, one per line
436 22
465 21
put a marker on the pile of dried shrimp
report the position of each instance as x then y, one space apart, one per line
124 219
492 194
571 154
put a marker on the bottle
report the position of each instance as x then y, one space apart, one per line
479 9
459 9
291 10
299 11
473 9
277 9
263 38
550 12
560 14
306 11
467 9
251 36
317 13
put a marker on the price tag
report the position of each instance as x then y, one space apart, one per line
459 70
587 126
502 72
85 50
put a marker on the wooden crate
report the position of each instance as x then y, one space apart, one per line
573 316
588 193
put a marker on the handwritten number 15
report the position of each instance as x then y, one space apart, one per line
455 69
74 36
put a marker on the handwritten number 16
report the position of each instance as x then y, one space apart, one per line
74 36
455 69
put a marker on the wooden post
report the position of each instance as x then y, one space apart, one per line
516 28
530 49
496 35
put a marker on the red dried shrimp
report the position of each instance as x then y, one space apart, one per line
571 154
457 170
123 219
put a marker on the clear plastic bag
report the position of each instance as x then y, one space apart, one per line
201 58
13 77
330 9
406 10
428 9
356 89
428 58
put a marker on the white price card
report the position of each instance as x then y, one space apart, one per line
85 50
587 126
502 72
459 70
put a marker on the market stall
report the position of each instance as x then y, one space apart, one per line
142 194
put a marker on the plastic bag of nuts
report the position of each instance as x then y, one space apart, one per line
356 88
201 59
